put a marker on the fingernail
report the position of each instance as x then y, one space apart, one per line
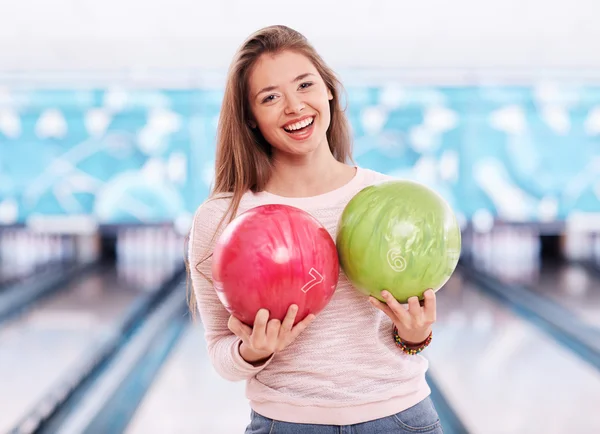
385 293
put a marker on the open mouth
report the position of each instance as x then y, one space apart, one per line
299 127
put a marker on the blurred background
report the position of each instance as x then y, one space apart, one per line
108 114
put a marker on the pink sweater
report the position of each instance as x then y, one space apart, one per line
344 368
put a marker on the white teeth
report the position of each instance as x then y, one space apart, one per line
298 125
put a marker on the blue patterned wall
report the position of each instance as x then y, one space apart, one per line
129 156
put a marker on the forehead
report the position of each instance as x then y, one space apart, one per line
279 69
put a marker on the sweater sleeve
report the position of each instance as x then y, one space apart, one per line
223 345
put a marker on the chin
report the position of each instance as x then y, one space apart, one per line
301 148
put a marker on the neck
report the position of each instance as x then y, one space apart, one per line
309 175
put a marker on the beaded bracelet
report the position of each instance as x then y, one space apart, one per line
411 350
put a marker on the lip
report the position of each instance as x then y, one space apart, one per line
292 122
304 135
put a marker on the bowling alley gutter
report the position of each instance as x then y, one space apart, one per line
591 266
89 387
557 322
17 298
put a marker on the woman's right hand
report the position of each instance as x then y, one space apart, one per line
267 336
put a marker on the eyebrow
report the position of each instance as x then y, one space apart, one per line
270 88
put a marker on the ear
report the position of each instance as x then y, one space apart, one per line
329 94
252 124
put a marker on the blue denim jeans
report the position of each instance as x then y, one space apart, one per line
420 418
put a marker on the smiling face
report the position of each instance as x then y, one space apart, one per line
290 103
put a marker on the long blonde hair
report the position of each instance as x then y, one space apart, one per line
243 156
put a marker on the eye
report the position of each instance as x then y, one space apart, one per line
268 98
306 85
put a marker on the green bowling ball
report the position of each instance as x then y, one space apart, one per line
400 236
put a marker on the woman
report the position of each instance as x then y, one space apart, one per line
283 138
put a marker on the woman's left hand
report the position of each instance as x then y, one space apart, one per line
413 324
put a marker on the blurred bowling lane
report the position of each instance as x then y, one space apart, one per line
38 349
504 375
572 286
512 256
188 396
500 373
11 275
569 284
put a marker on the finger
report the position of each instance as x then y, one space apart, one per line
238 328
259 331
383 307
430 306
288 321
400 312
302 325
414 308
273 332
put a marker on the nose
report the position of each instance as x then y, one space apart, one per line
293 105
